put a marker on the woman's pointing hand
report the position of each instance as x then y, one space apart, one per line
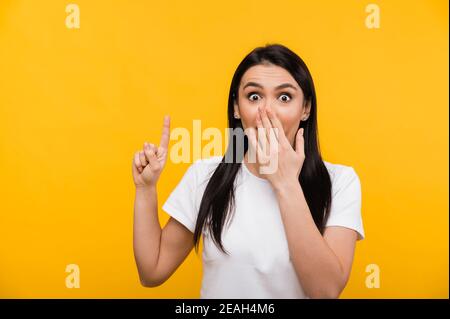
149 162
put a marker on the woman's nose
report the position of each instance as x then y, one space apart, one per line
268 103
271 107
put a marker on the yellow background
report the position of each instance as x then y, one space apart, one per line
75 104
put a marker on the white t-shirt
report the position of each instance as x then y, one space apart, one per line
259 265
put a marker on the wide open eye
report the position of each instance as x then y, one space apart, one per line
285 97
253 96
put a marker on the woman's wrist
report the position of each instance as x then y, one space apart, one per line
145 188
286 187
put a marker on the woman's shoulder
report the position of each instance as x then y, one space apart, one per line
205 166
341 174
336 169
210 160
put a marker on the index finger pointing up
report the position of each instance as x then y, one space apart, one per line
165 132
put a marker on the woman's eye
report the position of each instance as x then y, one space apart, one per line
253 97
285 97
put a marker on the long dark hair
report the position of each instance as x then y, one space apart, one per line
218 199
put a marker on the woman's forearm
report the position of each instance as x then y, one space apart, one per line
316 265
146 231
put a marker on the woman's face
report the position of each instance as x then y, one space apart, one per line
268 85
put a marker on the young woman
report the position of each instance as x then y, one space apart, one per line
290 233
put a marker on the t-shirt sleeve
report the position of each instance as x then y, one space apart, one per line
345 208
181 203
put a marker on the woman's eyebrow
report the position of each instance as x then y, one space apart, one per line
281 86
285 85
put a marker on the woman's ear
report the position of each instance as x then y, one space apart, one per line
306 110
237 115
